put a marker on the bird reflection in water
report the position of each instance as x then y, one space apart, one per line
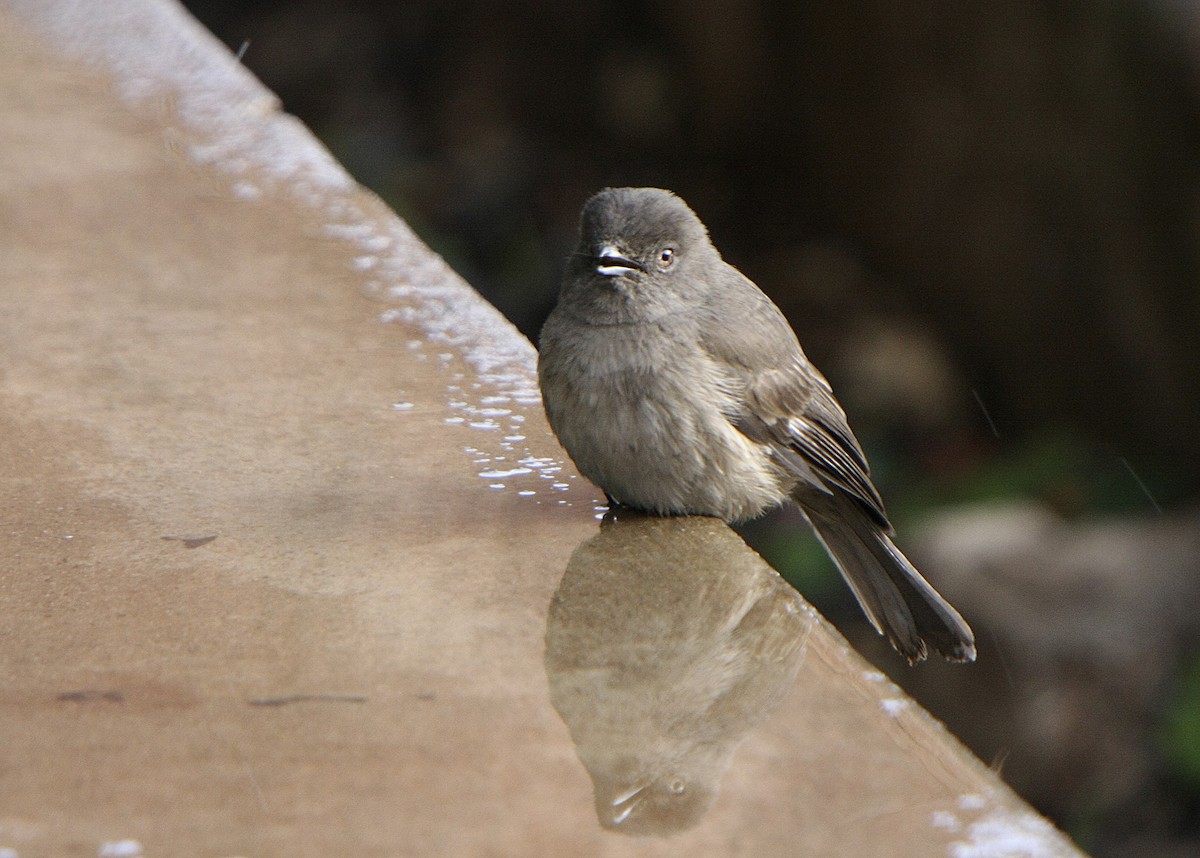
667 641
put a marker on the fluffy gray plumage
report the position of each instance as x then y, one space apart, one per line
678 387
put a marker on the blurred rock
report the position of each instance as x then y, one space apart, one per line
1081 628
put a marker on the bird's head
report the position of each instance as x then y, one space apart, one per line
642 252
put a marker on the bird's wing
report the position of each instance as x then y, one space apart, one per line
786 402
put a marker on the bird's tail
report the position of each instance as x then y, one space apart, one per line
897 600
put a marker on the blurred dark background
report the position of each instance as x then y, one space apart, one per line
983 220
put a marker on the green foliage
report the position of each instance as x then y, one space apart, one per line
802 561
1071 474
1180 732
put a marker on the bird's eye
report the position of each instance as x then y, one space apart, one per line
666 256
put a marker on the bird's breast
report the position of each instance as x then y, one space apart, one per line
644 415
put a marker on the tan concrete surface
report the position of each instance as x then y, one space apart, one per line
287 563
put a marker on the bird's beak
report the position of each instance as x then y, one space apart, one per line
611 263
626 803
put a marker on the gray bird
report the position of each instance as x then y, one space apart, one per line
678 387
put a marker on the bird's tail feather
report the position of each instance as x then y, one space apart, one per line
896 599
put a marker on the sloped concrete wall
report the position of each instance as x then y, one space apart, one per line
293 566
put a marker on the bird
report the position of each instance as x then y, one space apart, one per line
679 388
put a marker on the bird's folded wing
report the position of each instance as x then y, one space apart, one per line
785 401
819 438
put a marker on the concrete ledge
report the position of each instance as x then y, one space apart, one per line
293 566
